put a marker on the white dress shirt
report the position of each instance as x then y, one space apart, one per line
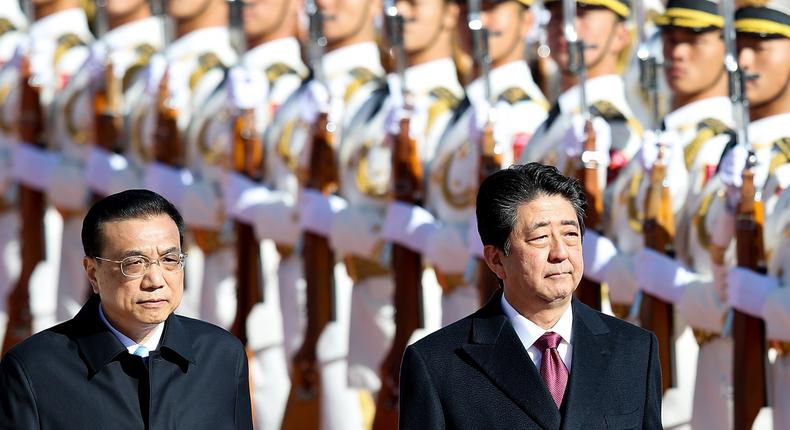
529 332
151 344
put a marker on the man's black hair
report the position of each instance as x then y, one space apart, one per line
126 205
502 193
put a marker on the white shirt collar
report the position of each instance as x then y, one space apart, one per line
692 113
338 62
285 50
607 87
422 78
148 30
66 21
151 344
197 41
528 332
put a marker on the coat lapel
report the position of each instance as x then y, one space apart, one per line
592 347
498 352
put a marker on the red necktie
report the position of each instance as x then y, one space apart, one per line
552 369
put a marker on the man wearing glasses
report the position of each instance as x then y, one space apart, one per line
126 360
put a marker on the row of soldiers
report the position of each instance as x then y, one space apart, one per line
326 155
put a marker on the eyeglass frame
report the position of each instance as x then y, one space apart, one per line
181 257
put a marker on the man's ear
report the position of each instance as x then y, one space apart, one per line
493 257
90 269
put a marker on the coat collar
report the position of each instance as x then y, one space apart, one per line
98 346
496 349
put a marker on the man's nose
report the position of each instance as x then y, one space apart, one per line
558 251
154 278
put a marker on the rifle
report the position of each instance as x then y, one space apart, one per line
748 333
659 225
490 155
107 119
406 264
168 148
32 207
247 159
303 410
589 292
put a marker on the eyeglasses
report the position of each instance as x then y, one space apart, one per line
137 266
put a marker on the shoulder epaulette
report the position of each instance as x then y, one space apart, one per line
206 62
276 70
142 53
6 26
781 150
446 96
706 130
514 95
64 43
360 77
607 110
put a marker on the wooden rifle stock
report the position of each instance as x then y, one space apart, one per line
588 291
248 160
407 271
107 108
303 410
32 207
749 384
657 315
490 162
167 143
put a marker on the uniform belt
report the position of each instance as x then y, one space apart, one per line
782 348
209 241
360 269
449 281
284 250
704 336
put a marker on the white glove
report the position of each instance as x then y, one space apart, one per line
246 209
277 219
747 290
67 187
317 209
246 89
234 185
201 206
32 166
648 154
597 252
315 101
169 182
356 231
573 141
445 249
731 171
408 225
661 276
109 173
154 73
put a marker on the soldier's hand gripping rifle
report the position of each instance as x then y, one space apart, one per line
247 159
748 332
589 292
32 206
658 228
490 159
406 264
303 410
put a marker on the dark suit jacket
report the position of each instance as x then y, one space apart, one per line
78 375
476 374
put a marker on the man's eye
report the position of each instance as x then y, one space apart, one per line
170 259
135 261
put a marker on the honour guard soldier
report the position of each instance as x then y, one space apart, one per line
178 84
602 28
12 32
504 102
430 88
132 38
691 140
55 48
269 71
343 80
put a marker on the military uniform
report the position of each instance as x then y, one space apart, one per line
56 46
129 48
12 28
277 64
194 66
352 74
519 108
365 161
